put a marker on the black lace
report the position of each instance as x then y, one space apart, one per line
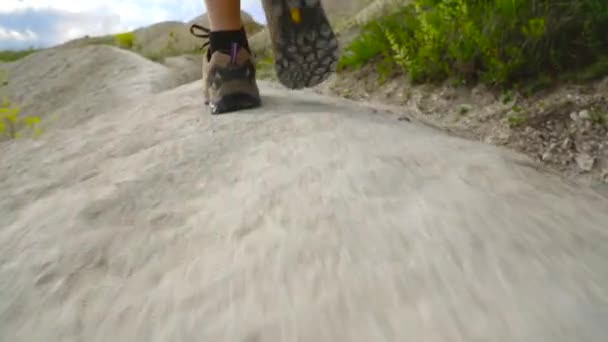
204 35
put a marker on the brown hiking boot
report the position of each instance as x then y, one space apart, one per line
229 82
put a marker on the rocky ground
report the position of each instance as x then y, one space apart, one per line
137 216
564 129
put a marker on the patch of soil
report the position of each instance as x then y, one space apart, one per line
565 129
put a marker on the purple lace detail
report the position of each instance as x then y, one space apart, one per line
233 52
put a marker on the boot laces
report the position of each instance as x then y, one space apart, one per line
196 30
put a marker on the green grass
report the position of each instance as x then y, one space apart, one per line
12 121
516 120
102 40
167 52
13 55
124 40
265 68
592 72
599 117
501 42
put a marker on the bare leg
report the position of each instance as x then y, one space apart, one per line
224 15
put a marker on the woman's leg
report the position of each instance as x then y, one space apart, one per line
224 15
225 24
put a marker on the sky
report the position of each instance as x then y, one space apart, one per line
43 23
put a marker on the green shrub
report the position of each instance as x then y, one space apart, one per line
370 43
264 68
124 40
11 122
516 120
498 42
599 118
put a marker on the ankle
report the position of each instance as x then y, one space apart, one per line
223 40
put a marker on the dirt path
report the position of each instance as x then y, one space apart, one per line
310 219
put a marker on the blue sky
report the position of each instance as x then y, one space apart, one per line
42 23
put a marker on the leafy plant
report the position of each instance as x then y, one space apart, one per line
170 47
498 42
369 44
124 40
11 122
598 117
516 120
265 68
464 109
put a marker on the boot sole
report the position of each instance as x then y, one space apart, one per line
234 102
304 43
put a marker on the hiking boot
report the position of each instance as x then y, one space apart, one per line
304 43
229 82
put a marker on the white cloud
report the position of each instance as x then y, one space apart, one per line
49 22
25 36
130 11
